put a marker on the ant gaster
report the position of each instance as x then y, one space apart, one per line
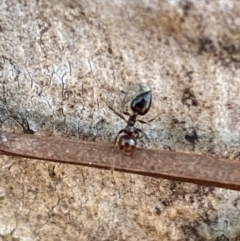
127 137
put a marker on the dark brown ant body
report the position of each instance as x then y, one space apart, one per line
128 140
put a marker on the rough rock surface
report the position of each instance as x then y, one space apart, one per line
60 61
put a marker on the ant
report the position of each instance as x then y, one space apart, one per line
140 105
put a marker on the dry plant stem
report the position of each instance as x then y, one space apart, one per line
204 170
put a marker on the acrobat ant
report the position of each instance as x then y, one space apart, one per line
140 105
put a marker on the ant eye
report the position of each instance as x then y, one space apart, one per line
142 103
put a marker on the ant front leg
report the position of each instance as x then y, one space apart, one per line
146 122
126 113
119 115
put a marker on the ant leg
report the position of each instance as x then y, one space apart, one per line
115 140
114 145
119 115
126 113
146 122
137 130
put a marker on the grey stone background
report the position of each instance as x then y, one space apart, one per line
60 61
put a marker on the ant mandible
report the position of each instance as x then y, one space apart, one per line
127 137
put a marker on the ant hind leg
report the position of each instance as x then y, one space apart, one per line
137 130
118 114
116 138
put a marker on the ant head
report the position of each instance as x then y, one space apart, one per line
142 103
127 144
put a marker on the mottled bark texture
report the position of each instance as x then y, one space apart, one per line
61 61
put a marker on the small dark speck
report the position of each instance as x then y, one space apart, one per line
157 210
189 98
165 203
152 168
192 137
222 238
186 7
110 50
28 131
191 199
165 147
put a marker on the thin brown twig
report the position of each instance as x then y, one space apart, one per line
204 170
